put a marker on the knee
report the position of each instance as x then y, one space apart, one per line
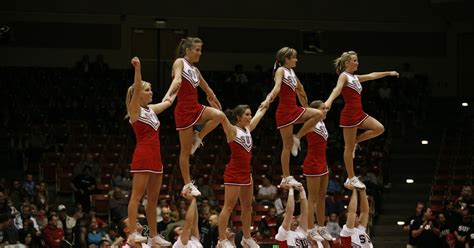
185 151
227 209
135 199
380 129
349 147
318 114
312 199
287 143
220 116
246 208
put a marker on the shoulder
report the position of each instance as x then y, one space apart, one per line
343 75
178 62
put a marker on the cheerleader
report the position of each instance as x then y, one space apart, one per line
353 116
146 167
188 111
287 88
316 172
238 176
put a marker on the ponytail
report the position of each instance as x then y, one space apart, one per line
185 44
340 63
238 111
285 52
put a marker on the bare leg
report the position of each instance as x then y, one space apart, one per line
152 192
139 183
185 140
310 118
245 197
321 199
313 194
349 144
373 129
231 196
211 118
287 139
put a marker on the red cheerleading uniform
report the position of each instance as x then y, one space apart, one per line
287 111
237 171
315 162
147 155
352 115
188 110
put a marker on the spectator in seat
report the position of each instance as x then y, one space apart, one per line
52 235
426 230
65 222
466 200
166 219
332 225
118 204
267 193
412 241
463 228
83 185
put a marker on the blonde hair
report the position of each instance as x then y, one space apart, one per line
185 44
130 92
340 63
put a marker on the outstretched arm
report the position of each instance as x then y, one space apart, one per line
176 83
376 75
258 116
276 89
364 208
301 94
290 209
195 227
351 210
134 105
341 81
160 107
211 97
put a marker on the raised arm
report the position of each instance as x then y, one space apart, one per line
276 89
290 209
303 208
229 130
301 94
176 83
351 210
376 75
257 117
191 216
195 227
133 108
341 81
211 97
364 208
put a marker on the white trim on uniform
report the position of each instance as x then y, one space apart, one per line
196 120
295 120
358 124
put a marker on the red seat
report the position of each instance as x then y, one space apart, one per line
63 184
48 172
101 204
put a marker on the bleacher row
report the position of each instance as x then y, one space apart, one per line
455 167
